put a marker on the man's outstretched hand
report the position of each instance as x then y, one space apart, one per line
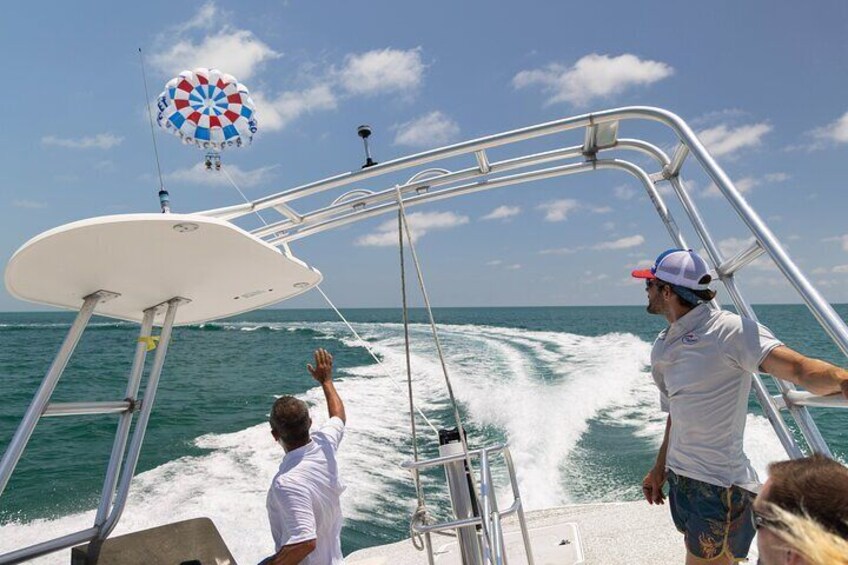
323 369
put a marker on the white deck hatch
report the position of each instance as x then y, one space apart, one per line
148 259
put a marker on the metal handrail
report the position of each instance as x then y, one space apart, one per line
490 516
442 459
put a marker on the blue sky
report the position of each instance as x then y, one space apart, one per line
764 83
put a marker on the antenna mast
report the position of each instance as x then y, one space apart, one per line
164 200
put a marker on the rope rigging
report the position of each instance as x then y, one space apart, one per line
457 418
359 338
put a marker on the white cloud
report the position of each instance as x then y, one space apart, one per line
840 269
204 18
382 70
419 224
99 141
502 213
591 277
622 243
513 267
234 51
624 192
746 184
276 114
105 165
430 130
843 239
560 251
558 210
776 177
29 204
593 76
494 263
722 140
199 175
836 132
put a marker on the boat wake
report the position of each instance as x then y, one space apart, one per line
539 390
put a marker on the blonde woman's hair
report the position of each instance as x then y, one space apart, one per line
807 537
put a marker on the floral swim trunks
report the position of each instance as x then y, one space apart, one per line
714 520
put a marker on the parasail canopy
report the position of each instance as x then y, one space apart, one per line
208 108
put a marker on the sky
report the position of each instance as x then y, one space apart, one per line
765 85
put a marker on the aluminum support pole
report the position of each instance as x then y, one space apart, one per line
414 185
522 521
48 385
804 398
27 553
486 508
820 308
653 194
86 408
123 429
140 427
741 259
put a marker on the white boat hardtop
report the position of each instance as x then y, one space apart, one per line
147 259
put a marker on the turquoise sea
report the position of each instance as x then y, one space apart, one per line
567 387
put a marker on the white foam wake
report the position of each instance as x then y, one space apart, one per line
539 390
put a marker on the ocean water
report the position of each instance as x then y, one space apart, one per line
567 387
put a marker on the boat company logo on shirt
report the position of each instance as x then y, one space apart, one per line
690 339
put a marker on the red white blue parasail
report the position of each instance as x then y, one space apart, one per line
208 108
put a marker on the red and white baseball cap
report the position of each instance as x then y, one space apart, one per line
680 267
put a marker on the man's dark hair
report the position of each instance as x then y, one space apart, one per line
290 419
817 486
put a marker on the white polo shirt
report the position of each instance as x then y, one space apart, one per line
303 501
702 365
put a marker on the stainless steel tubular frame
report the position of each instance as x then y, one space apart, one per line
86 408
27 553
141 426
496 552
484 175
45 391
104 524
690 144
123 429
770 408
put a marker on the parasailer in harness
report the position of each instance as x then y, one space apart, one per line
209 109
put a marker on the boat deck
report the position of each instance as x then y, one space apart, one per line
631 533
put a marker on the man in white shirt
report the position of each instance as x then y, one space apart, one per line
303 501
702 364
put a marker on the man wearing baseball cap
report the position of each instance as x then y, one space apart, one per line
702 364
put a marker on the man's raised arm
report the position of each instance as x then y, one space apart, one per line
323 373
